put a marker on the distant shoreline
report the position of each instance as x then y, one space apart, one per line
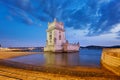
100 47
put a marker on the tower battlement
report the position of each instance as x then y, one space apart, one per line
55 24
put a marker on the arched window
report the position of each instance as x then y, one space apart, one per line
59 37
50 37
55 40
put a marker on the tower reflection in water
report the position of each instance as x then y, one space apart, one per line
61 59
86 57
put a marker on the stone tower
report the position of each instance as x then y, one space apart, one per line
55 37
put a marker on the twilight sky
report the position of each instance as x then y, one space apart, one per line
91 22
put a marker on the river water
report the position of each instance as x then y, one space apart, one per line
85 57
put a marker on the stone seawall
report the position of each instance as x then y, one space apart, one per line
110 59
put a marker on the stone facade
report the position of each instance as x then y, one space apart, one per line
110 59
56 41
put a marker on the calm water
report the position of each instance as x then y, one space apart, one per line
86 57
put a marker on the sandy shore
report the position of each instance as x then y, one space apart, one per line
11 54
82 73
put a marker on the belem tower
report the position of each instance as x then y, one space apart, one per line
56 41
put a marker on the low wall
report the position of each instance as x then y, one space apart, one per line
72 47
110 59
51 48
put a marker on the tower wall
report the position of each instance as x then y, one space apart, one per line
50 41
60 37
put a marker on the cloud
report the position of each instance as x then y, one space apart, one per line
103 39
16 12
118 35
102 15
116 28
21 16
109 17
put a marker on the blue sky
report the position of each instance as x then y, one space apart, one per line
91 22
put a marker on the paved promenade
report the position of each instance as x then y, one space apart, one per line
9 73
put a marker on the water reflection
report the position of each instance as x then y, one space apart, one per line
62 59
86 57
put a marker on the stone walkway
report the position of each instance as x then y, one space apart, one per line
8 73
2 77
